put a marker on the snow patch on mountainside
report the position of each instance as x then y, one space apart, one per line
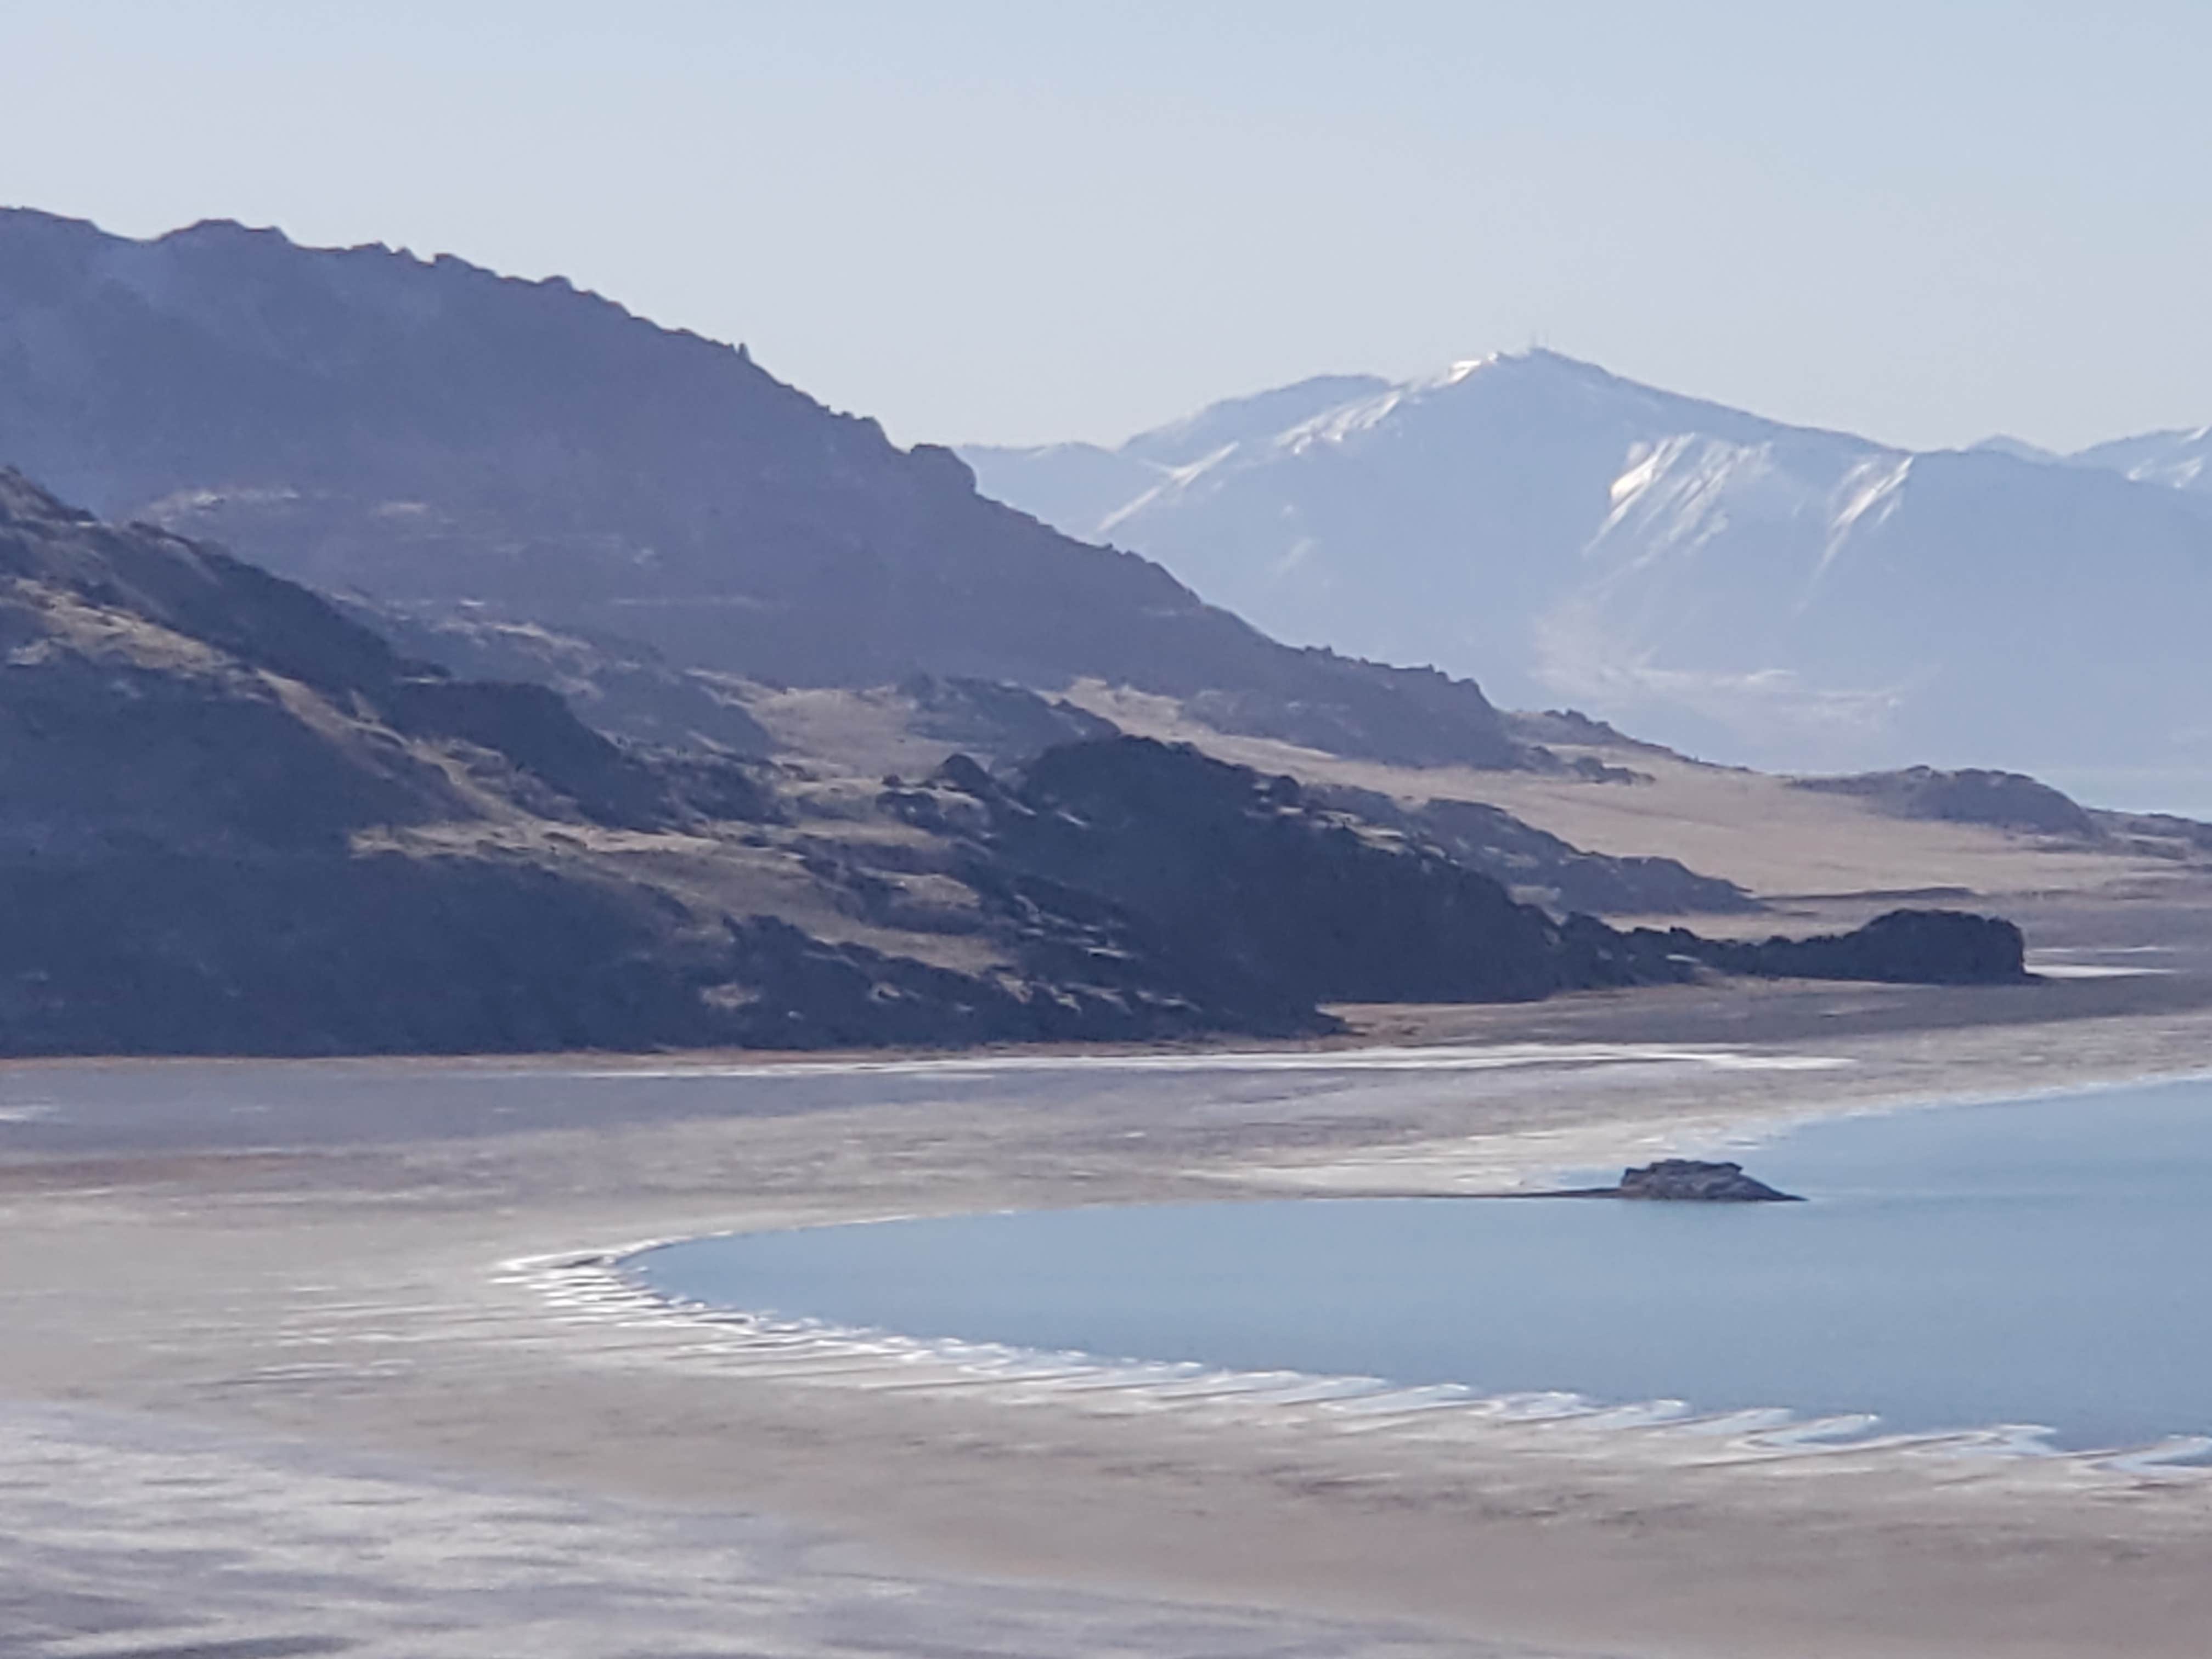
1752 590
2179 460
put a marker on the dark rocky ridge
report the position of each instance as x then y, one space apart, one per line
2005 800
617 687
2157 835
1540 866
1236 877
232 820
1245 880
464 445
1903 947
158 690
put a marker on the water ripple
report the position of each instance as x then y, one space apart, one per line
597 1288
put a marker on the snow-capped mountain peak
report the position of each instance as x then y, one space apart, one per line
2179 460
1756 590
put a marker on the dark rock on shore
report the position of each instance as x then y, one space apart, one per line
1686 1181
1903 947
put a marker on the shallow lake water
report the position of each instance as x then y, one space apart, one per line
2045 1262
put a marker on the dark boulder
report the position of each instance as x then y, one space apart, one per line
1692 1181
1680 1180
1903 947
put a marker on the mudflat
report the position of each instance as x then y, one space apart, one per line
331 1358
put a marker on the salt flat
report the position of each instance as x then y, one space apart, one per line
267 1350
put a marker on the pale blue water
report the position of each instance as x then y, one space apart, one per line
2045 1261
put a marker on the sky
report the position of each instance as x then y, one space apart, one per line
1020 222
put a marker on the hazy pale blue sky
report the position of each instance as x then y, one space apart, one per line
1018 222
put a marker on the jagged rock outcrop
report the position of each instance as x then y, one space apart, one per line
1571 727
1241 882
1686 1180
796 992
1903 947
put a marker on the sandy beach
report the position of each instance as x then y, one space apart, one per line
322 1358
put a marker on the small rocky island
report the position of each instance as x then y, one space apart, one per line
1686 1181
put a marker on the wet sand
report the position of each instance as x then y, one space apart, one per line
339 1372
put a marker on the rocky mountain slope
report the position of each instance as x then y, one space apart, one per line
2007 801
1240 877
472 448
618 686
158 692
233 820
1732 585
1542 867
1243 879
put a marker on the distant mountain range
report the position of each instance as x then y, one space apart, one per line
471 448
244 816
1751 591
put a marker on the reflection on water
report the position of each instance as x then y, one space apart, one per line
2041 1261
